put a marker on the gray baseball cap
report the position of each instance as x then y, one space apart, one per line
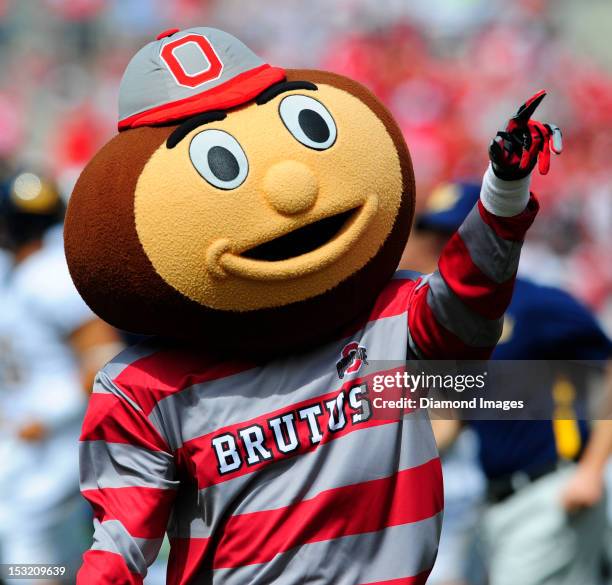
183 73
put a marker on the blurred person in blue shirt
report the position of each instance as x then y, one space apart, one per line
51 345
544 520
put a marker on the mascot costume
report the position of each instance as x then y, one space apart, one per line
250 220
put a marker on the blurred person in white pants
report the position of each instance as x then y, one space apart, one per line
50 347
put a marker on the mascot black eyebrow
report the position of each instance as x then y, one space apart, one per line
251 219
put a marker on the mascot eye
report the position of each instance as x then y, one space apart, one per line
309 121
219 158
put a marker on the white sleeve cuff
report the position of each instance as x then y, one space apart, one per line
504 198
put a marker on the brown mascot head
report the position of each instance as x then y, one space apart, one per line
241 206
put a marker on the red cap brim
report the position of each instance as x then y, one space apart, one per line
237 91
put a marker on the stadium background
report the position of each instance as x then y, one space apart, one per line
450 70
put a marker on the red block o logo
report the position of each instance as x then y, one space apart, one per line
198 48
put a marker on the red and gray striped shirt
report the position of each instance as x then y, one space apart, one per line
278 472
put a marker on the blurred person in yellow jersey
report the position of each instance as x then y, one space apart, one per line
51 345
544 517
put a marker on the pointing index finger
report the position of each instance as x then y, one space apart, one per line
529 107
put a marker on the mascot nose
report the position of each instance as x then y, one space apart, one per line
290 187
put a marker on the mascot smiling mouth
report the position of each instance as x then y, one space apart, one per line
302 251
300 241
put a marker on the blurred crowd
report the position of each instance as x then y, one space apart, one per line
451 71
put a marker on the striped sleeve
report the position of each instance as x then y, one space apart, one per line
457 311
127 476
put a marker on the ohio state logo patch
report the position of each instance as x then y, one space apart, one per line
192 60
352 357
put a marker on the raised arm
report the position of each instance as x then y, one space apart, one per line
127 475
457 311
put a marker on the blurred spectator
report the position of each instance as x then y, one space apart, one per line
545 517
51 345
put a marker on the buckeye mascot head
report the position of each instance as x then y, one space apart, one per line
244 207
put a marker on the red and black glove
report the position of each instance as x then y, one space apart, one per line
515 150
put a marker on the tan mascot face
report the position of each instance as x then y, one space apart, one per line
260 229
